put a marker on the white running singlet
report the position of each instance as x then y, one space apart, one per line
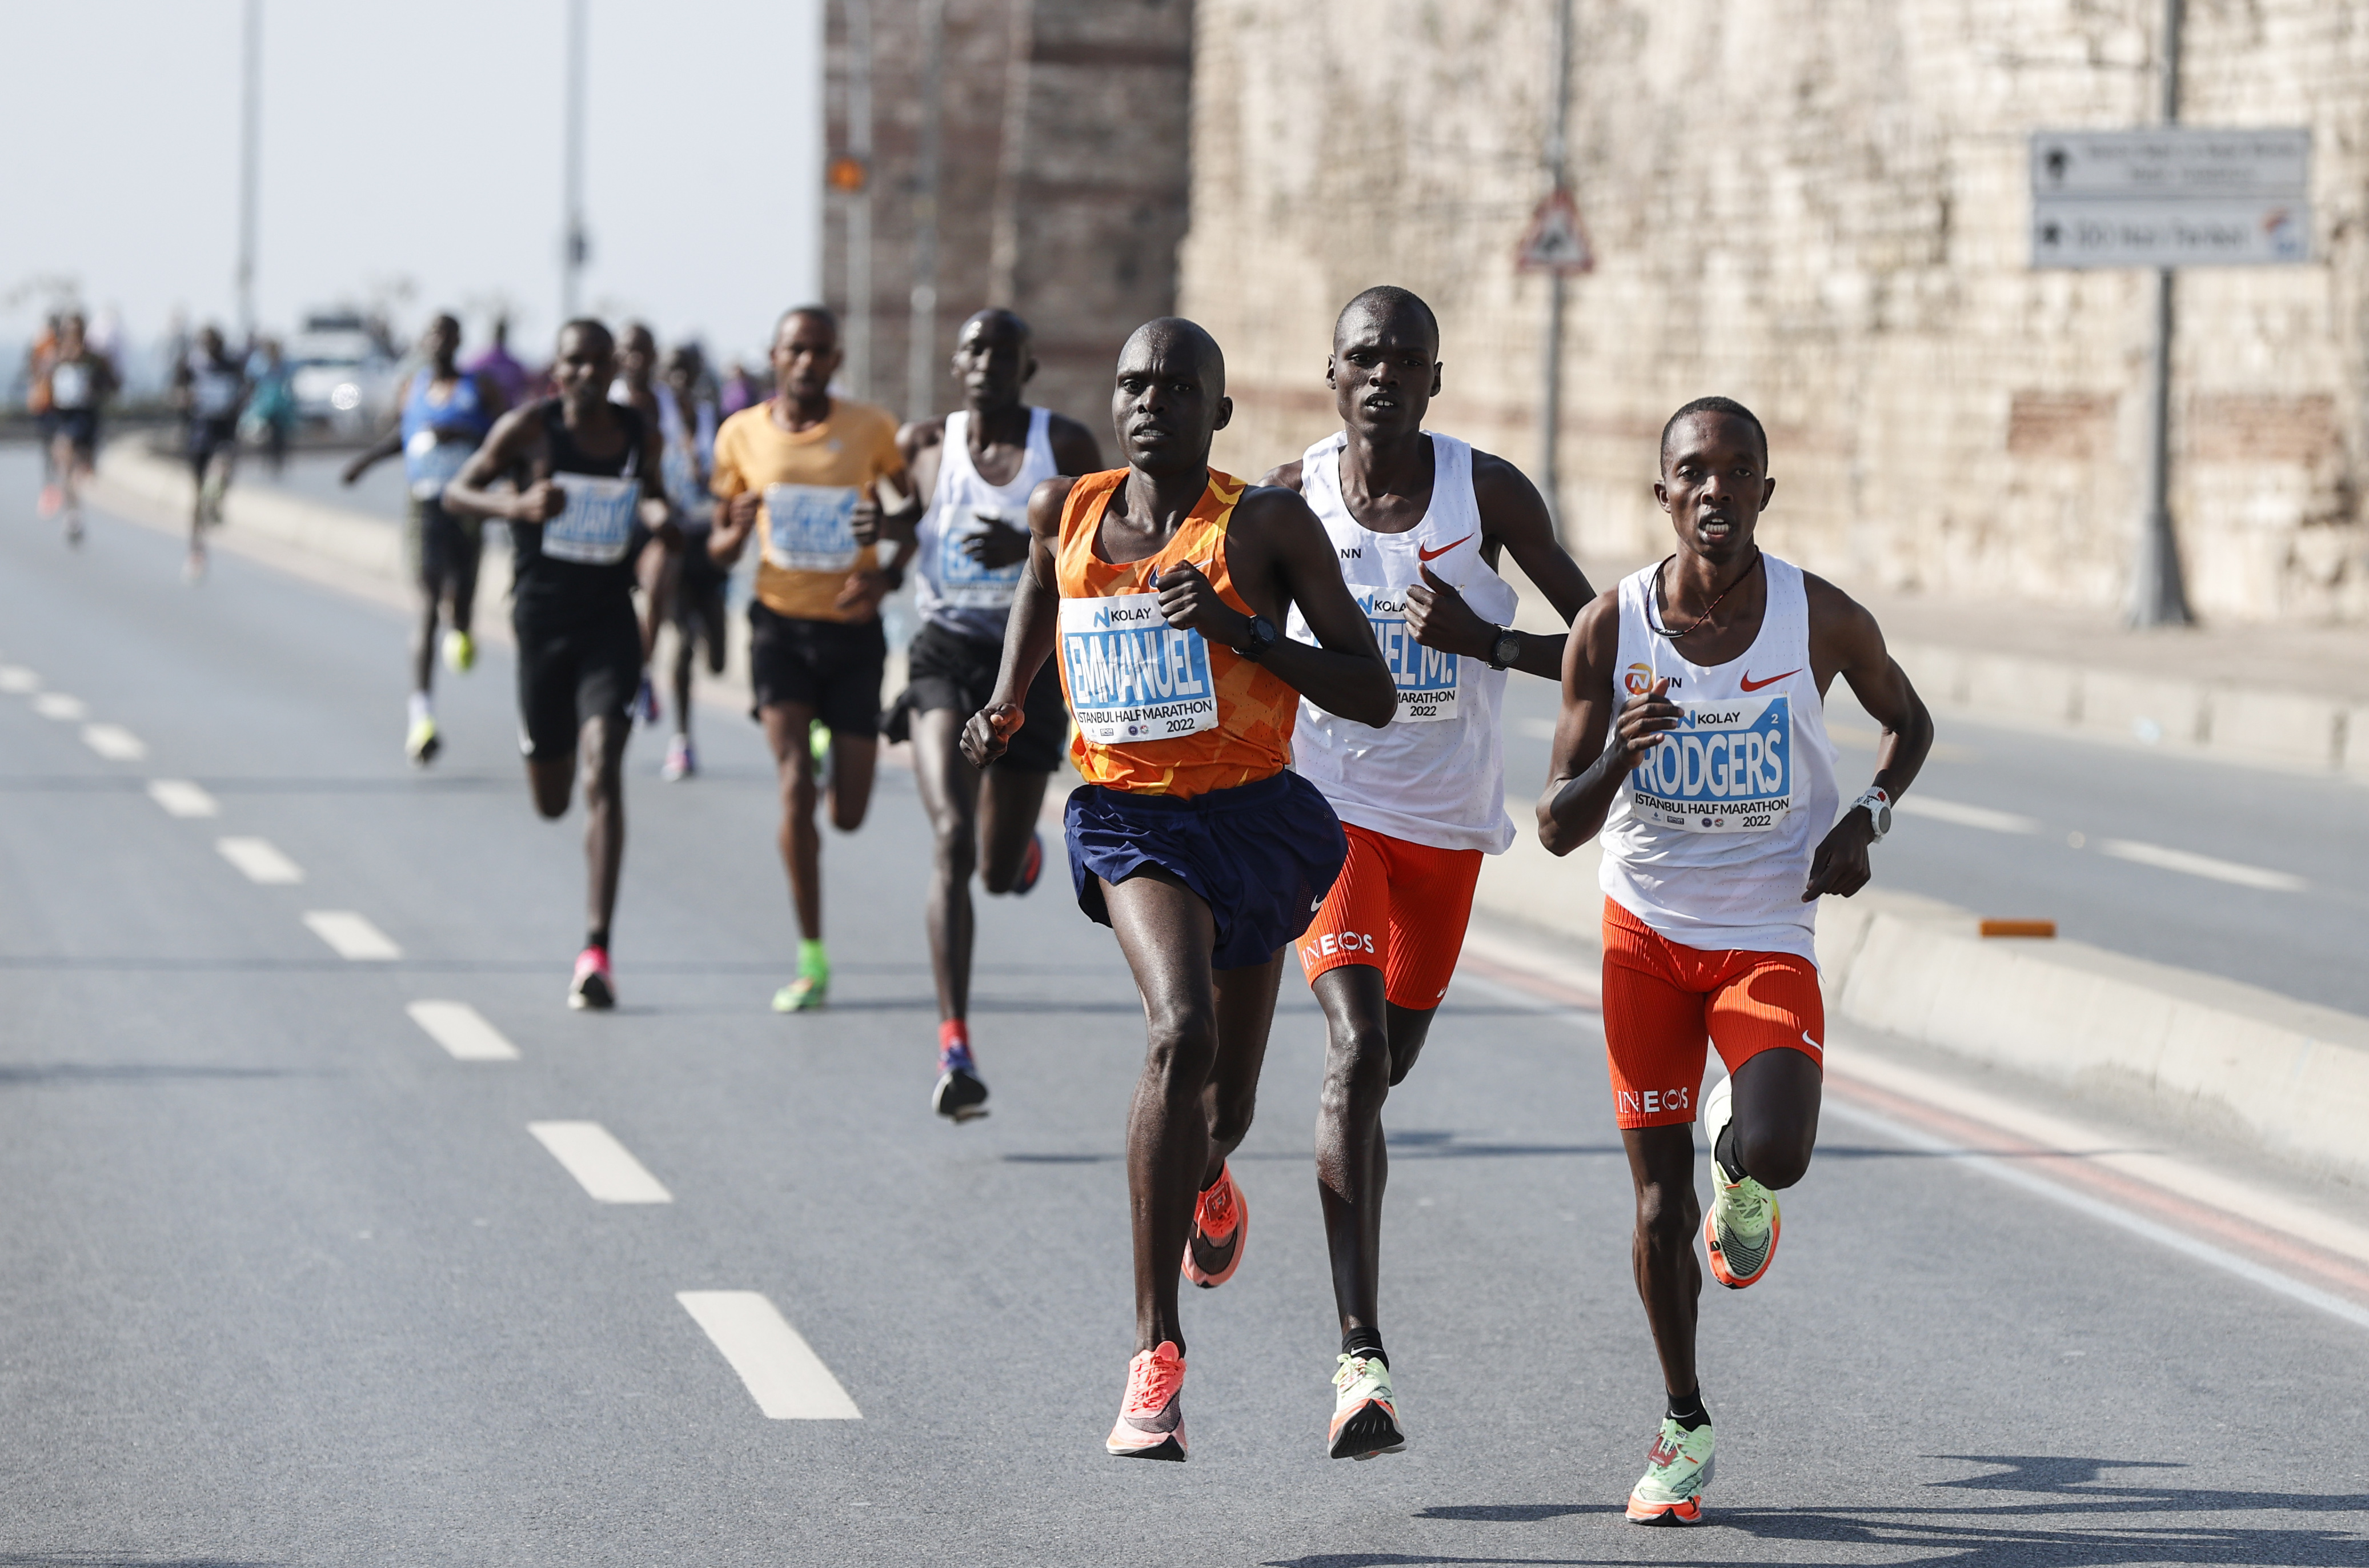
1436 774
1709 841
951 588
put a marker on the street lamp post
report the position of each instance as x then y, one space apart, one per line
859 198
922 331
250 125
2158 593
575 247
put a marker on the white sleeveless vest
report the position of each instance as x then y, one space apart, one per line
1436 776
1709 842
951 588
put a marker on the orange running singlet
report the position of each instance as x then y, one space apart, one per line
1161 711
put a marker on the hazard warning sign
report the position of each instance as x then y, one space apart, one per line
1555 241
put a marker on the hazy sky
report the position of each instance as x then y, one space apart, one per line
414 147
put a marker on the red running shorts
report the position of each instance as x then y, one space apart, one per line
1400 907
1664 1002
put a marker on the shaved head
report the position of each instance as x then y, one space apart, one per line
1173 335
999 321
1388 305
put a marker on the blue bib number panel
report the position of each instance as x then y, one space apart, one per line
962 581
811 528
1132 676
1426 677
598 524
1728 768
429 464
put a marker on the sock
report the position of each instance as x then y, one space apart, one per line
813 962
422 706
1360 1339
597 937
954 1045
1686 1410
1723 1150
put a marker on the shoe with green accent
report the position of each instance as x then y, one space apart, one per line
812 988
1365 1410
422 744
819 740
1677 1469
460 652
1741 1230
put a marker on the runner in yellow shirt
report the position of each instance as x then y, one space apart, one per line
798 472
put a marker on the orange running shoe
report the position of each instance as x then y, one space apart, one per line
1213 1248
1151 1422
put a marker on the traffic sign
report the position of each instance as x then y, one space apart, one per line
1555 241
2171 197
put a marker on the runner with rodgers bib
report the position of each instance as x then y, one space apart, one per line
1717 802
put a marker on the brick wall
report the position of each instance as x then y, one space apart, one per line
1819 206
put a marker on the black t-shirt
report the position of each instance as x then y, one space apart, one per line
580 564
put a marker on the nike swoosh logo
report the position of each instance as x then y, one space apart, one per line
1444 549
1749 684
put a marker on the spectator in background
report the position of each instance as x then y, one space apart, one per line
741 390
271 410
518 384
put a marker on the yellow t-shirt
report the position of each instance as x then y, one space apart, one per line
802 567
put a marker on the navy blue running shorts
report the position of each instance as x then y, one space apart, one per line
1261 856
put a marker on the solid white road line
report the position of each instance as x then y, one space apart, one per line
16 679
1965 815
2096 1208
602 1165
114 742
784 1375
352 934
179 797
58 705
2202 866
261 861
461 1030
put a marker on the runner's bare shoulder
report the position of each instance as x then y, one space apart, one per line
1283 475
1044 504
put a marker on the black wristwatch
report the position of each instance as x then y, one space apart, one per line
1506 650
1263 636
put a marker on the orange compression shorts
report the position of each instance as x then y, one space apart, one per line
1399 906
1662 1003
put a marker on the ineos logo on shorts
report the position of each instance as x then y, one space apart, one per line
1651 1101
1334 944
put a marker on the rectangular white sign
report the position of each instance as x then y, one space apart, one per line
2169 233
2171 196
2170 161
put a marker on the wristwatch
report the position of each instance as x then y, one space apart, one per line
1505 649
1263 636
1879 812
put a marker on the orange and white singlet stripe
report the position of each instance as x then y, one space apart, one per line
1161 711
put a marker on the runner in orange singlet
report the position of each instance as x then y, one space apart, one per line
1165 584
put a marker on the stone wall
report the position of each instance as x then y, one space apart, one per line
1063 190
1819 206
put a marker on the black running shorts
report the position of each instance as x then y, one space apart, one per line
443 551
947 670
832 667
574 670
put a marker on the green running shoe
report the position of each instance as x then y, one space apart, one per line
1677 1467
819 740
1741 1230
422 744
460 652
1365 1411
805 994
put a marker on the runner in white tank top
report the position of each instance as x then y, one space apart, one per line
976 468
1716 799
1419 522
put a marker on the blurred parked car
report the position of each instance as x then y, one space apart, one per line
340 372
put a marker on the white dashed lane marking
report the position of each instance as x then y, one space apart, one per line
16 677
351 935
114 742
602 1165
1966 816
463 1031
261 861
2204 865
179 797
782 1372
58 705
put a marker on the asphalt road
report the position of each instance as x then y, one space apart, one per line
287 1283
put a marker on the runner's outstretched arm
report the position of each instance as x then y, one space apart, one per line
1586 773
1028 634
1845 641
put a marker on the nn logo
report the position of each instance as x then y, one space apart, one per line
1352 552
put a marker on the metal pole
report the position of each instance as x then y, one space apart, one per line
577 248
2158 593
859 208
922 332
1550 369
250 127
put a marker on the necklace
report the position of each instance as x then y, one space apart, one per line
1653 621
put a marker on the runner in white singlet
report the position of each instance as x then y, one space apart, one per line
1716 800
1419 522
977 467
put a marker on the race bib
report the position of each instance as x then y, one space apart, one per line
214 395
69 386
431 465
1426 677
1728 768
810 528
599 522
1132 676
962 581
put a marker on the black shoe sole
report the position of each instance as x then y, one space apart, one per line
1370 1431
960 1098
1170 1450
592 996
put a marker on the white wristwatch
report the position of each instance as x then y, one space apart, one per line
1879 812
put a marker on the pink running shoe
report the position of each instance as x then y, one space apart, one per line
1151 1422
1213 1247
593 987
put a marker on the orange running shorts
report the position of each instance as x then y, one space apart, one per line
1400 907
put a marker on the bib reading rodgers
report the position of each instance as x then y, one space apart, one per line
1728 768
1425 677
1132 676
